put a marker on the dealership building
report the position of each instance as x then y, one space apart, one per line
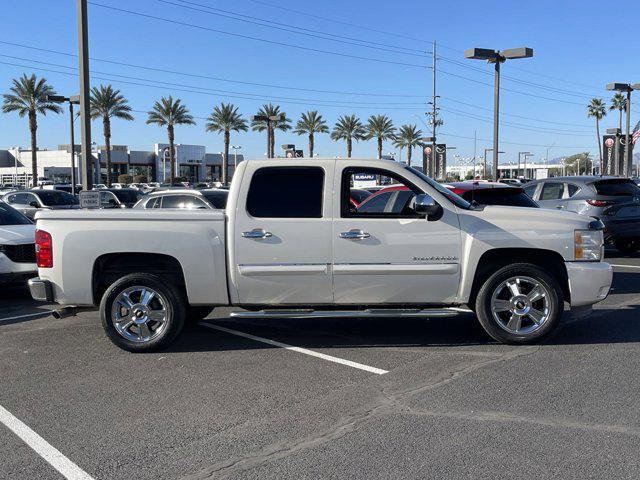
192 163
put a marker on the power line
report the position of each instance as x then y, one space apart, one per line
292 28
208 77
257 39
514 143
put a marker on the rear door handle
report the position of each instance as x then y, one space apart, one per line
355 234
257 233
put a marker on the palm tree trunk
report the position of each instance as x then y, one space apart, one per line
599 146
272 146
620 120
348 147
268 140
225 159
33 127
379 148
409 155
106 128
172 157
311 145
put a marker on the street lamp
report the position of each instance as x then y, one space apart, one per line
73 100
484 165
526 154
626 87
268 119
497 57
235 156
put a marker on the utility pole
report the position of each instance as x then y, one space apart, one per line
83 73
496 117
433 115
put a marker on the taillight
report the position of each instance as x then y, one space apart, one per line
44 249
598 203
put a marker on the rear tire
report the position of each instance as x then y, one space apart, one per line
142 312
519 304
627 246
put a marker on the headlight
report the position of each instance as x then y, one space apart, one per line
587 245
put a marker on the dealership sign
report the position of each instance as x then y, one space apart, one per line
609 154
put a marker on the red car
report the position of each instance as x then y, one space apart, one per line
397 198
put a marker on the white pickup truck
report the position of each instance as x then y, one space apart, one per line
292 243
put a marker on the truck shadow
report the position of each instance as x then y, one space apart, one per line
605 326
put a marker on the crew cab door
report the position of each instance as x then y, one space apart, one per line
280 234
384 253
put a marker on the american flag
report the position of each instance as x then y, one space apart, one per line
636 133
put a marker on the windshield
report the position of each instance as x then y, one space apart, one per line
127 196
513 197
617 187
452 197
57 197
10 216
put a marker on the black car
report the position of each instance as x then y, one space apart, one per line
30 201
119 197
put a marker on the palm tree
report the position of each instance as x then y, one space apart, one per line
408 136
311 123
107 103
169 113
380 127
619 102
348 128
226 119
597 109
283 124
28 96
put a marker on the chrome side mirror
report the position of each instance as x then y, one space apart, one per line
427 206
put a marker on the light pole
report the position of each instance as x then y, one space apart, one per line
628 88
235 156
484 165
85 98
268 119
497 57
73 100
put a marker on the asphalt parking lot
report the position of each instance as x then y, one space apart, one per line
369 398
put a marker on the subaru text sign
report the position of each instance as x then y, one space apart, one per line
364 180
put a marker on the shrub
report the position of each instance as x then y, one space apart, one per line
124 178
140 179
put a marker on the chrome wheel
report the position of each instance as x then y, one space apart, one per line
521 305
139 314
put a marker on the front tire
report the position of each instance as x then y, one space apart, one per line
519 304
142 312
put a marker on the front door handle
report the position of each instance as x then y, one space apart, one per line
355 234
257 233
560 207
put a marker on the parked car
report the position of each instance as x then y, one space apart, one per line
17 246
358 195
614 200
99 186
29 202
289 245
185 199
492 193
10 187
63 187
119 197
511 181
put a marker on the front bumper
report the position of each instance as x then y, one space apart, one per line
41 290
589 282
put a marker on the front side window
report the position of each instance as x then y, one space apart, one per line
396 199
286 192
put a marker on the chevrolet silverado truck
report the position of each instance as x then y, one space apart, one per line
291 244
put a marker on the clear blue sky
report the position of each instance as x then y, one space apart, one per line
577 51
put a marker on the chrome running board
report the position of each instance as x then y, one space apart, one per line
371 312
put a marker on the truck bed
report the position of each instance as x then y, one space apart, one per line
196 239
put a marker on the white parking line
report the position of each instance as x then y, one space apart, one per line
323 356
24 316
625 266
52 455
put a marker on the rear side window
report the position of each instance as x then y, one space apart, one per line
616 187
530 189
286 192
552 191
182 201
573 189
